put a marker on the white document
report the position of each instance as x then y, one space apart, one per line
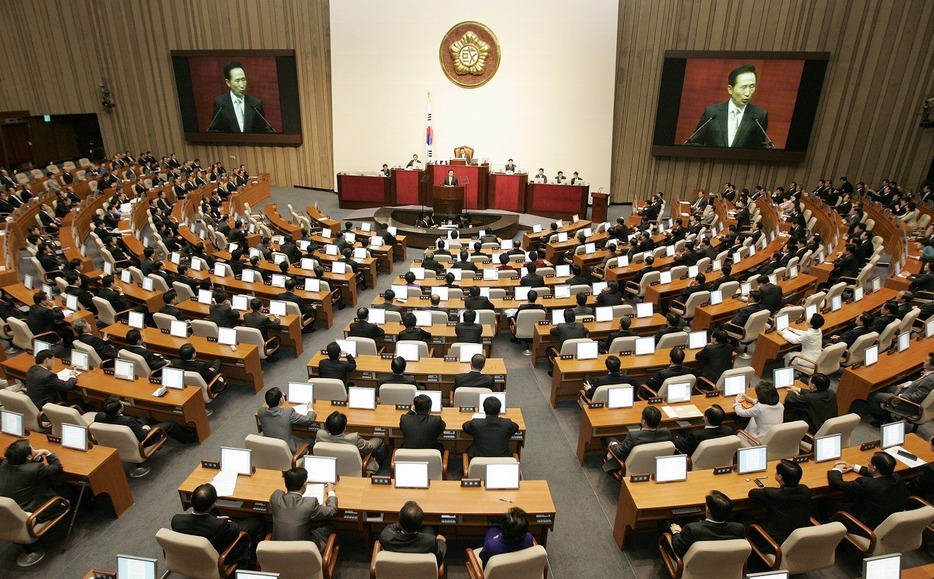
301 409
893 451
64 374
315 490
225 482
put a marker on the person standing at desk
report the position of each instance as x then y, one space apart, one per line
450 180
510 166
385 170
296 517
491 434
414 163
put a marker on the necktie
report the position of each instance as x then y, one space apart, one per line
240 113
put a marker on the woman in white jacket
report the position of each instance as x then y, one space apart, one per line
767 409
809 339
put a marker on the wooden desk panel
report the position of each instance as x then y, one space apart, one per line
289 332
891 368
707 316
598 331
442 336
531 240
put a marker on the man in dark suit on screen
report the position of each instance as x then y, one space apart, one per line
736 123
235 111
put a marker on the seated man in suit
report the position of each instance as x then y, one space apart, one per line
876 494
469 330
43 385
610 296
308 312
789 505
475 377
532 279
187 361
582 309
255 318
334 431
676 368
431 263
688 442
170 308
885 403
112 413
465 262
625 323
364 329
105 350
491 434
673 327
475 301
44 316
889 315
742 316
770 294
816 405
277 421
568 329
613 376
26 479
849 337
398 375
409 536
296 517
388 296
715 527
221 313
411 332
649 432
135 344
333 366
220 531
715 357
420 428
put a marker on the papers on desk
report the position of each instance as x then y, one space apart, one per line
67 312
301 409
64 374
683 411
910 463
225 482
315 490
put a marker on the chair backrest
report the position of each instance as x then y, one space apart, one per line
526 321
422 347
569 347
672 340
204 328
678 271
58 415
927 409
694 300
811 548
183 290
390 315
746 371
290 559
365 346
647 280
902 532
105 311
13 527
523 564
642 458
21 403
689 378
715 452
163 321
795 313
477 466
349 461
253 336
484 317
829 360
469 396
271 453
329 388
119 437
755 325
94 361
158 283
834 291
842 425
782 439
439 317
716 559
729 289
189 555
909 320
430 455
141 367
858 350
137 274
888 334
22 335
624 344
397 393
392 565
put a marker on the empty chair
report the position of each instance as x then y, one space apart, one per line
530 563
298 559
900 532
365 346
806 549
794 313
704 385
842 425
328 389
23 337
106 312
274 453
476 467
909 320
856 354
888 335
392 565
440 317
22 528
422 347
646 392
715 452
158 283
349 461
58 414
267 348
193 556
624 344
468 396
706 559
782 439
19 402
687 309
140 366
183 290
815 299
673 340
397 393
128 446
163 321
834 291
523 328
437 462
204 328
827 363
641 459
136 274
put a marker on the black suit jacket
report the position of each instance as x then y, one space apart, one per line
420 430
366 330
565 331
224 316
689 442
478 303
716 359
393 539
634 439
789 508
742 316
655 382
41 319
43 385
226 117
170 310
261 323
609 378
705 531
474 380
490 436
339 369
874 499
469 332
418 334
771 296
715 132
28 484
153 360
815 408
532 280
221 532
105 350
207 371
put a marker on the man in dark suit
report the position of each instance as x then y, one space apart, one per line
887 401
789 505
814 406
296 517
847 265
650 432
408 535
469 330
569 329
736 123
235 111
387 304
334 367
713 428
889 315
27 480
465 262
770 294
256 319
43 385
187 361
676 368
398 375
613 377
44 316
170 308
876 494
475 378
277 421
220 531
450 180
582 309
610 296
742 316
135 344
714 527
105 350
364 329
115 297
532 279
411 332
475 301
491 434
862 327
716 357
673 327
112 413
420 428
289 295
625 323
221 313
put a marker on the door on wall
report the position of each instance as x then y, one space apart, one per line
15 145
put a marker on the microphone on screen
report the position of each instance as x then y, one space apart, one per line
694 134
211 126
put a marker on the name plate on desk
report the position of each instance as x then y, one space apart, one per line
588 319
802 458
470 483
380 480
210 339
403 406
596 405
547 297
544 323
869 445
451 324
53 439
499 378
155 380
449 434
468 408
323 351
212 464
723 470
448 519
379 431
424 297
654 400
369 375
338 403
387 356
637 478
260 507
433 378
567 356
450 358
164 331
543 519
108 371
351 515
437 340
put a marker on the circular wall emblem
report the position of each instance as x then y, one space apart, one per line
469 54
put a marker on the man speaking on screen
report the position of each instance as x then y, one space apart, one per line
235 111
737 123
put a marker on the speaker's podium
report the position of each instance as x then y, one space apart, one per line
447 200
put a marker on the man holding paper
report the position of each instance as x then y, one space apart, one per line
297 513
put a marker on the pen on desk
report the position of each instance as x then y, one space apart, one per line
506 500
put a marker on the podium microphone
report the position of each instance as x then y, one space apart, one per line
768 142
694 134
210 126
269 128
